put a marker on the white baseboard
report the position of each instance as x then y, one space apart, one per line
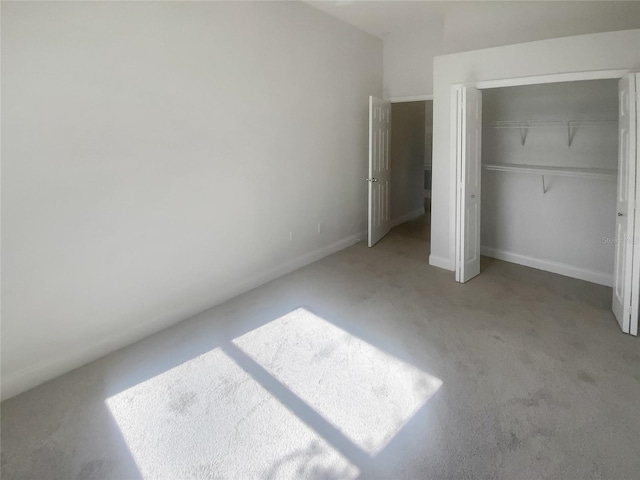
441 262
407 216
600 278
31 377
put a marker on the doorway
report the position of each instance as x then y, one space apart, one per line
400 153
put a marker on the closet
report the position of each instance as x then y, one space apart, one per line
549 170
547 176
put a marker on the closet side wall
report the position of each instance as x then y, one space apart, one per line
569 228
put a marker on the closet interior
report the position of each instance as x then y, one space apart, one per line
549 170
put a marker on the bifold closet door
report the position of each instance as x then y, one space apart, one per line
625 275
468 165
379 199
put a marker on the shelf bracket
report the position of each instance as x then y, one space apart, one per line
570 133
544 186
523 135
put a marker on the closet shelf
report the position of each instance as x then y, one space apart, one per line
549 170
570 125
549 123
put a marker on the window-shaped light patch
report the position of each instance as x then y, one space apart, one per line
364 392
208 418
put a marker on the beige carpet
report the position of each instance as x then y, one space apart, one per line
366 364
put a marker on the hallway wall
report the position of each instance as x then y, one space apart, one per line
407 157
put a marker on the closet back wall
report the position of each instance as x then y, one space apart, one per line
156 157
568 228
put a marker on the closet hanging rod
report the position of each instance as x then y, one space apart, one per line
549 123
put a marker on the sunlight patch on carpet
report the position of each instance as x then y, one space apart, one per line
364 392
208 418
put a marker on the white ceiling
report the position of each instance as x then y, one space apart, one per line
381 18
548 18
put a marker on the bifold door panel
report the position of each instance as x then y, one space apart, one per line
625 275
468 160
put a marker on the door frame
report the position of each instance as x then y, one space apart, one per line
411 98
456 166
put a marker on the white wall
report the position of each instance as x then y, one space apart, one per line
464 26
602 51
156 157
476 25
561 230
408 60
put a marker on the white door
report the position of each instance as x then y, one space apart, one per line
379 169
635 291
468 161
623 274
